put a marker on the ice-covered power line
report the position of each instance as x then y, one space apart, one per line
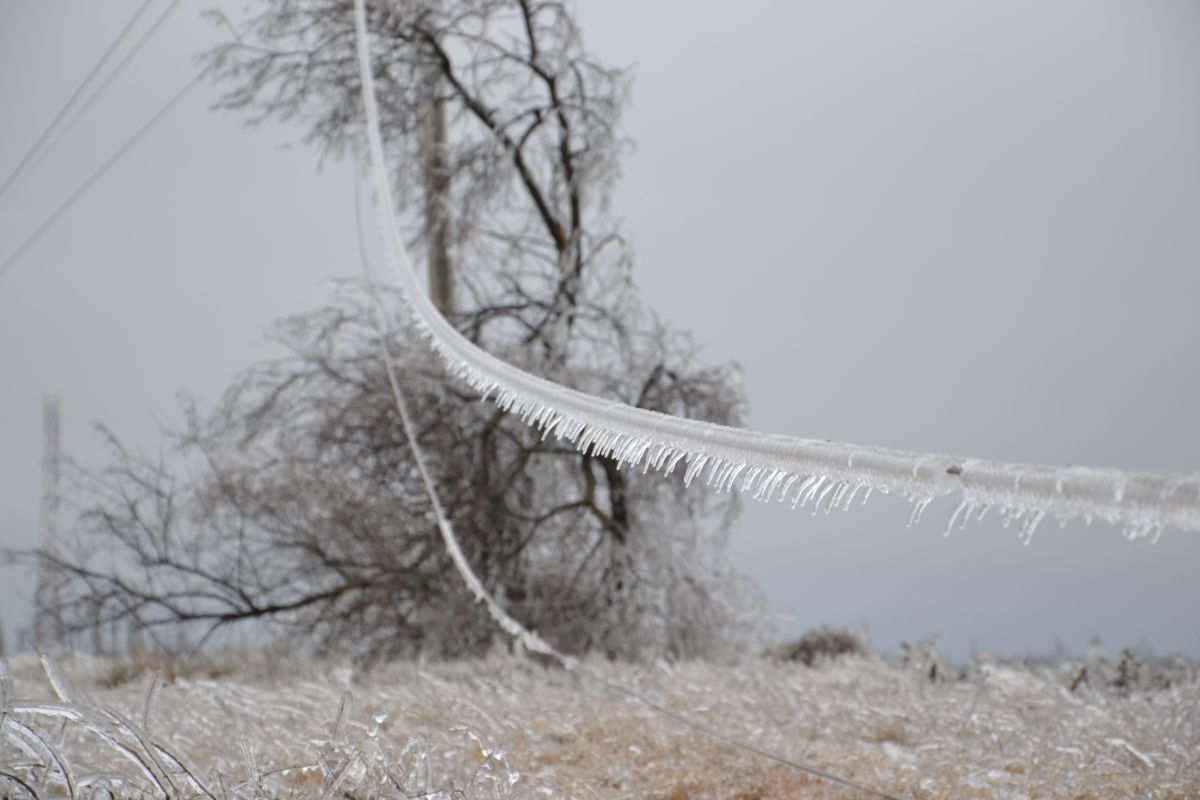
529 639
95 176
515 629
95 70
805 472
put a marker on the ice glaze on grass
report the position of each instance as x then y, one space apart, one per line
507 727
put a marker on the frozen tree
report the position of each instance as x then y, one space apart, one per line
297 502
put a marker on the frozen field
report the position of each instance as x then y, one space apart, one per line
507 727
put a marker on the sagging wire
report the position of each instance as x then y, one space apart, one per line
820 473
527 638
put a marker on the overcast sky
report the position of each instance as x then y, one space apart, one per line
970 228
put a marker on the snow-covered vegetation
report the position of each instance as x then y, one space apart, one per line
505 726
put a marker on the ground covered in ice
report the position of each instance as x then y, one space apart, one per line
506 726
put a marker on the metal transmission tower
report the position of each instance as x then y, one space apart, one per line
47 612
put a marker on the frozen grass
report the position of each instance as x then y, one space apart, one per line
507 727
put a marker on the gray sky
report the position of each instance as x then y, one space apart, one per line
964 228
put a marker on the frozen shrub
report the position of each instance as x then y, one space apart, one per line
1132 672
298 510
824 644
924 657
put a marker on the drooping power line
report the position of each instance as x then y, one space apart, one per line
41 140
129 143
513 627
510 625
807 472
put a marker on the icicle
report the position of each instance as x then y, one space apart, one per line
694 467
787 485
654 461
1030 524
829 487
550 428
918 509
675 459
850 497
718 474
836 500
962 506
810 488
751 474
768 486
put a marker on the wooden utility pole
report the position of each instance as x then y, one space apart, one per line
47 613
437 216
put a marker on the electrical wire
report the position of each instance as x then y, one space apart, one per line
116 71
510 625
112 47
819 473
113 159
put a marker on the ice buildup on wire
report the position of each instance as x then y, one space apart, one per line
825 474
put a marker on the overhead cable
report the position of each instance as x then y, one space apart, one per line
527 638
41 140
107 165
108 80
818 473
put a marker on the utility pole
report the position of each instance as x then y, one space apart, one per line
437 216
47 614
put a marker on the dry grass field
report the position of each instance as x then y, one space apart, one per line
506 727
